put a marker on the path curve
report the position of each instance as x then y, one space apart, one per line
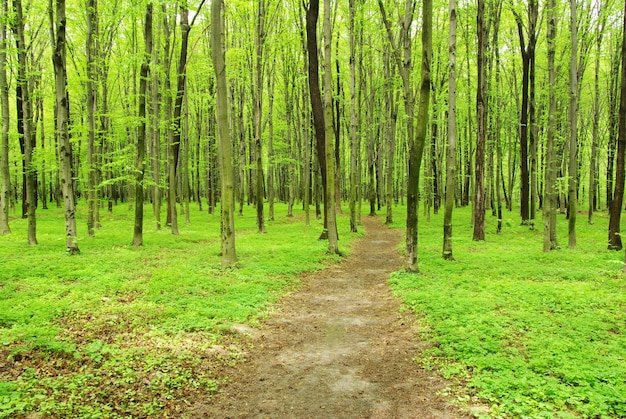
337 348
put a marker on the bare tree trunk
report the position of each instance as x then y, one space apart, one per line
92 72
312 15
140 163
615 241
229 256
156 136
549 197
593 159
329 200
258 109
270 148
573 129
481 123
62 127
451 153
5 181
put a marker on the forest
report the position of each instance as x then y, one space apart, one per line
157 133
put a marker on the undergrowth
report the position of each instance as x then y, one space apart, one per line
121 331
531 334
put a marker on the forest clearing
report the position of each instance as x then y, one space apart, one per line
506 330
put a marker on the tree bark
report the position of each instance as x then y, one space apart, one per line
593 158
229 255
92 72
259 41
329 200
317 107
140 163
5 181
549 197
451 152
573 129
615 241
481 124
59 60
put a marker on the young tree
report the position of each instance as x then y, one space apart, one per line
451 152
354 152
5 181
416 138
229 256
481 124
92 72
329 201
26 122
65 147
315 96
140 163
549 197
615 240
259 43
528 57
573 129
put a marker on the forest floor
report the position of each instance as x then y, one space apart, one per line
338 347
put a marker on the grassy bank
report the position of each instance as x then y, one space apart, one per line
119 331
532 334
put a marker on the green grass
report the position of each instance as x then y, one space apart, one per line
120 331
531 334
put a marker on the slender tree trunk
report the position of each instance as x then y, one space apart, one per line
317 107
270 148
615 241
549 199
573 129
59 59
622 104
140 163
451 152
481 123
523 130
229 256
92 54
176 121
25 102
156 135
593 158
258 109
5 181
329 201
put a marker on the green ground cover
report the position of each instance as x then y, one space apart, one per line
531 334
120 331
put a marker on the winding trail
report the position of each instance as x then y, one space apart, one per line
337 348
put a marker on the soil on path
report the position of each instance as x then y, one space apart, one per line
337 348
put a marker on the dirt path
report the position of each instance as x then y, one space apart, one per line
337 348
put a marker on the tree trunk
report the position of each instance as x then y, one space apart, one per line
140 163
176 121
258 109
523 130
62 127
573 129
451 152
481 124
549 199
5 181
271 169
229 256
25 102
329 201
317 107
92 72
615 241
593 158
